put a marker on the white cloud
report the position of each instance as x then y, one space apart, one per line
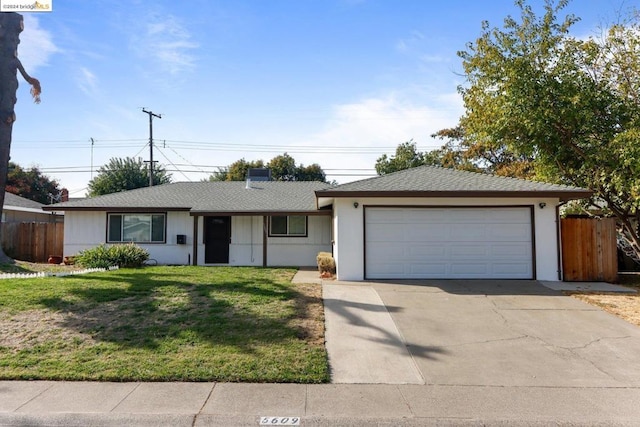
87 81
36 45
408 43
362 131
166 40
434 58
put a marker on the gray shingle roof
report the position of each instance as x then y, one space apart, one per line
11 199
208 197
432 181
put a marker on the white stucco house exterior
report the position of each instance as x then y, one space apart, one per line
425 222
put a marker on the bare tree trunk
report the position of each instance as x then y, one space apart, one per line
10 28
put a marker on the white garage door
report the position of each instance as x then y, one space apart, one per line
465 243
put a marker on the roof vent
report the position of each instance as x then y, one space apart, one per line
248 185
259 174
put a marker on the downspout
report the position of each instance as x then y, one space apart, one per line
559 240
195 240
265 235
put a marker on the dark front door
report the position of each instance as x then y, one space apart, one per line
217 236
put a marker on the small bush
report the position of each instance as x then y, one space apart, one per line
326 263
103 256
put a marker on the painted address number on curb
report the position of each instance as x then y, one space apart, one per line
279 421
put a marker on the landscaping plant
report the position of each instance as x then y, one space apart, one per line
127 255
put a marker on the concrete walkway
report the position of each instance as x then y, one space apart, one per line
452 353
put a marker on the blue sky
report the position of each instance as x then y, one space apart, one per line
334 82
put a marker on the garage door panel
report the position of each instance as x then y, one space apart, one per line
417 216
386 216
464 216
505 216
423 232
383 250
467 232
510 269
429 269
469 269
521 251
418 253
509 232
469 251
448 243
388 271
389 232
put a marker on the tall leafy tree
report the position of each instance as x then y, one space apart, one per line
406 156
463 153
569 104
122 174
312 172
236 171
283 168
31 184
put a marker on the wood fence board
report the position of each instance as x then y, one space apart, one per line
589 249
32 241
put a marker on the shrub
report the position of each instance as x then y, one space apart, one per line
326 263
103 256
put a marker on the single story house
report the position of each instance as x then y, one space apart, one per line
19 209
425 222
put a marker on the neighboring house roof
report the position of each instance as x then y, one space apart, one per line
226 197
433 181
14 200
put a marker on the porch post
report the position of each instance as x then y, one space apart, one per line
195 240
265 235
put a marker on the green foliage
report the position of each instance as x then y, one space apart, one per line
31 184
237 171
103 256
122 174
567 105
407 156
464 153
283 168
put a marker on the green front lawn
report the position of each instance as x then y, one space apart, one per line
163 324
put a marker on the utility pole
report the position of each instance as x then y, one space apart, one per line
92 142
151 116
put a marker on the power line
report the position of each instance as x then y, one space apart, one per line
151 116
227 146
170 162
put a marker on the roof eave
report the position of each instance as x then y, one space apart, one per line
560 194
112 208
260 213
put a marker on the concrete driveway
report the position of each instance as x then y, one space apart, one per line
475 333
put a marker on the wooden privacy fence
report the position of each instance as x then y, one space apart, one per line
32 241
589 249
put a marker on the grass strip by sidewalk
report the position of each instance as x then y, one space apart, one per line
163 324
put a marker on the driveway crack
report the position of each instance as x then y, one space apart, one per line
590 343
487 341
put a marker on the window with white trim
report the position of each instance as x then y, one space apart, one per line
288 226
139 228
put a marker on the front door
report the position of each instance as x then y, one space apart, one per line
217 236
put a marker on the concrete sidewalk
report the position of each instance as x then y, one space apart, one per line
25 403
